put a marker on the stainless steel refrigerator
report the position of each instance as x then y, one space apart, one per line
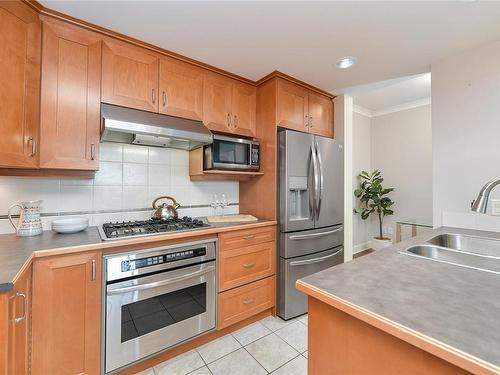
311 213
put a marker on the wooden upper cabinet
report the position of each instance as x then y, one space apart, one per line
66 317
217 96
244 109
129 76
20 40
70 97
292 106
181 89
320 114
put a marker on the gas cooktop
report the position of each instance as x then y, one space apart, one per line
115 231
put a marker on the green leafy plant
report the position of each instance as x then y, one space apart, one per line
373 198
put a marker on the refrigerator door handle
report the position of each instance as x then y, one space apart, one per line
314 260
314 157
320 187
314 235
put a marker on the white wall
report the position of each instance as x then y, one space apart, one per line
401 148
128 180
466 131
361 160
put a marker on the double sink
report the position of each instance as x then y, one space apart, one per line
478 253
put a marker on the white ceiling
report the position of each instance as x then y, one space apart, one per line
303 39
392 93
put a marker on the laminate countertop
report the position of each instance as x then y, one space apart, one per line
450 311
16 253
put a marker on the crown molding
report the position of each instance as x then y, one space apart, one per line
397 108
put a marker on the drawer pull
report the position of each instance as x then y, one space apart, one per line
249 237
249 265
248 301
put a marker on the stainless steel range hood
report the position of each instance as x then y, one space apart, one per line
126 125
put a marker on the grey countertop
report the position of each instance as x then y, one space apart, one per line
457 306
16 251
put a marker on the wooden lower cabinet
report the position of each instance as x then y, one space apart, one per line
245 301
67 314
241 266
238 238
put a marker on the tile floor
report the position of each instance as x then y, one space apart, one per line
269 346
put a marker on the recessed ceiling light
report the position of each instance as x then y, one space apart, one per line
346 62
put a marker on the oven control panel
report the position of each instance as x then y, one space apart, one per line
133 264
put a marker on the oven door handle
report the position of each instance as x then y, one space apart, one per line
156 284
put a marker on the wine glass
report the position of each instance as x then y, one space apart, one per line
223 203
215 203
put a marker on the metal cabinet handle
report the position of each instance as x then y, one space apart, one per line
248 301
93 270
248 265
235 121
306 122
228 119
314 260
33 146
249 237
153 95
310 121
164 99
156 284
313 235
92 151
25 307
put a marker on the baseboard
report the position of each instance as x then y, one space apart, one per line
361 247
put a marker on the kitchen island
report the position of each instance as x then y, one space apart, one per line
390 313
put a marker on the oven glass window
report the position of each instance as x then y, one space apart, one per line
231 152
142 317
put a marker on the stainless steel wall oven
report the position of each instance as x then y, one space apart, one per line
157 298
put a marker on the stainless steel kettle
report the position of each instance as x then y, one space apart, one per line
165 211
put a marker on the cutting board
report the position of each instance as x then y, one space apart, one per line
232 219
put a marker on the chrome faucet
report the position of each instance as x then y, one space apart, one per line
481 202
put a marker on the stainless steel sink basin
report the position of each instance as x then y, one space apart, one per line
458 258
471 244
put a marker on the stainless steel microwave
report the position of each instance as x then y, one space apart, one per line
232 154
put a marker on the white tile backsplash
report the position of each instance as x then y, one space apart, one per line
129 178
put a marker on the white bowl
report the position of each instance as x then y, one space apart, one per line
73 225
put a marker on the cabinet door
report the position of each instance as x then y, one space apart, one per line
181 89
244 109
20 40
320 114
292 112
18 347
217 95
70 97
129 76
67 314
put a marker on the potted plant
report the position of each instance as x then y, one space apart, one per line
374 200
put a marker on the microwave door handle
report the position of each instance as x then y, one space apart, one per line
320 187
157 284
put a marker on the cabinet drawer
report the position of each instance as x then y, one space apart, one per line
246 264
243 302
240 238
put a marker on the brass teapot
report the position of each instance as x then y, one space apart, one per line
165 211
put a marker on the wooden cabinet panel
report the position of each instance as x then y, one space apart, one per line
244 109
181 89
320 114
246 264
67 314
242 302
292 106
19 320
217 96
20 41
239 238
70 98
129 76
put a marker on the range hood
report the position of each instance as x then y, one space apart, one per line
126 125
